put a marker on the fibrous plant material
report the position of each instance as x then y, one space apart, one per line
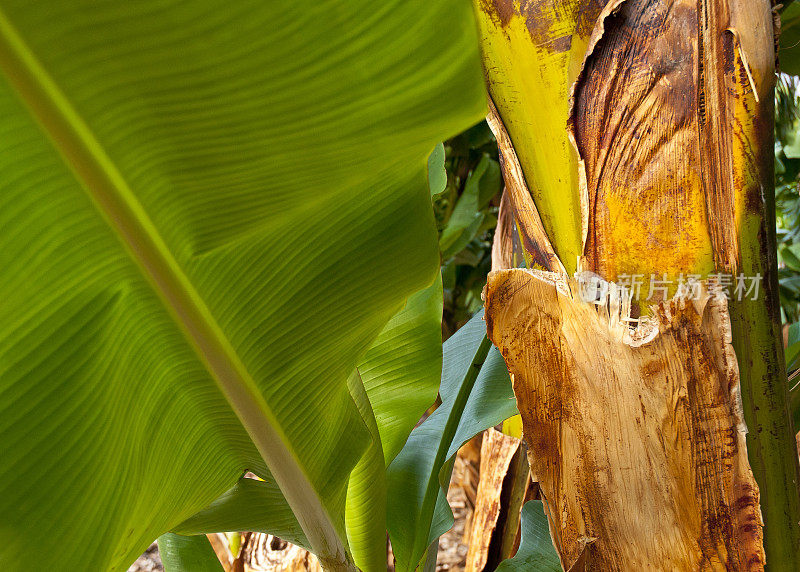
636 435
669 117
497 452
637 118
672 116
267 553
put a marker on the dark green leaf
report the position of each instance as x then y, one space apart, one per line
187 554
793 347
536 551
467 216
789 54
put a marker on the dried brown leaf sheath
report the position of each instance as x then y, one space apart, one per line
671 119
636 436
637 128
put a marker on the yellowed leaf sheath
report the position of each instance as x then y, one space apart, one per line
532 53
636 436
537 249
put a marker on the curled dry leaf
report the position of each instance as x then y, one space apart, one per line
636 435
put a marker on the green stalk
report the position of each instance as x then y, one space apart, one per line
757 340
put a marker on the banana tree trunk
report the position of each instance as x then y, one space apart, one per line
636 138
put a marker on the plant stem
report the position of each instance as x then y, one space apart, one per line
757 340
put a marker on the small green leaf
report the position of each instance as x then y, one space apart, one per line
454 242
491 182
536 551
789 256
437 174
793 343
792 149
187 553
468 217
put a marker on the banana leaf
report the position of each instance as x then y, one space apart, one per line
208 212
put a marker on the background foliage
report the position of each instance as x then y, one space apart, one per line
466 215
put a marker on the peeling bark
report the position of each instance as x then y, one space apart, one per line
637 127
667 105
672 117
636 436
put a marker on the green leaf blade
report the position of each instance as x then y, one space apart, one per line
402 369
536 550
251 505
187 554
246 147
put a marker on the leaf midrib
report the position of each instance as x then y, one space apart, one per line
118 204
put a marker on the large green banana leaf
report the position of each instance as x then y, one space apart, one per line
400 374
207 213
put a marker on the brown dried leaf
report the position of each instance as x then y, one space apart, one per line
503 243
